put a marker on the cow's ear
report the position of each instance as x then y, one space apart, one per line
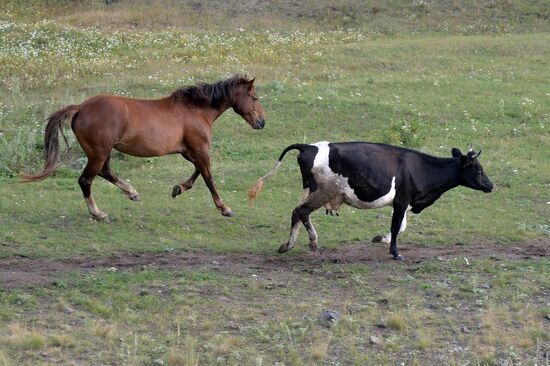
456 152
464 161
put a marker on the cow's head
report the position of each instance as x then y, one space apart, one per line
472 175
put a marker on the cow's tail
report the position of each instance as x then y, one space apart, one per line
257 188
51 142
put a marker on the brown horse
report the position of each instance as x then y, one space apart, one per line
180 123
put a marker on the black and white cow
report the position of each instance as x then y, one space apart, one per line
371 175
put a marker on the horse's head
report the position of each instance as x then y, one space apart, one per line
247 105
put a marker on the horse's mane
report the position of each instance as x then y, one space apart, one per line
212 94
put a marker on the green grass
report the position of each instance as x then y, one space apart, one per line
430 76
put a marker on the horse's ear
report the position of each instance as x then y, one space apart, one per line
251 83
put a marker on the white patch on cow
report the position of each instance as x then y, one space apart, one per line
387 239
335 186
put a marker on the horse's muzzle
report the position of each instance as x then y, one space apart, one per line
259 123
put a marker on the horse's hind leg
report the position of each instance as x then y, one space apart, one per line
187 185
85 181
107 174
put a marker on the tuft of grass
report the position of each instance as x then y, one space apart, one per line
62 340
319 350
396 321
185 356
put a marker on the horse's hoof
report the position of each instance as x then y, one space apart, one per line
398 257
135 198
176 191
228 213
285 247
377 239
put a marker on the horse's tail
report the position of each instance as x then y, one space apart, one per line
257 188
51 142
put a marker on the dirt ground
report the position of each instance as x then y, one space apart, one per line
20 272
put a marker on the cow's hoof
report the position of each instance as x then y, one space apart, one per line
176 191
135 198
285 247
398 257
377 239
228 213
313 246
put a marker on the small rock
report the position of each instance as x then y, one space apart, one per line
374 340
380 216
464 329
377 239
383 302
547 317
485 286
159 362
68 310
330 315
216 263
232 326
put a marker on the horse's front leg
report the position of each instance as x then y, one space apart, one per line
203 164
186 185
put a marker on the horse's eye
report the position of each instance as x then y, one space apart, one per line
254 98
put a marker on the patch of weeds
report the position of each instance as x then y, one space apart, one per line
6 312
18 151
431 267
424 342
392 342
25 340
94 306
107 332
403 133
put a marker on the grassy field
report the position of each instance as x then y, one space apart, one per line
172 282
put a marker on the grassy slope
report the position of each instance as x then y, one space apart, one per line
478 76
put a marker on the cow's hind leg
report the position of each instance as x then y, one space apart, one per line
301 214
107 174
85 181
294 230
304 214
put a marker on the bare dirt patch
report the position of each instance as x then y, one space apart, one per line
25 272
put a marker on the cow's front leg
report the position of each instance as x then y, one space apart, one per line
398 218
387 238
